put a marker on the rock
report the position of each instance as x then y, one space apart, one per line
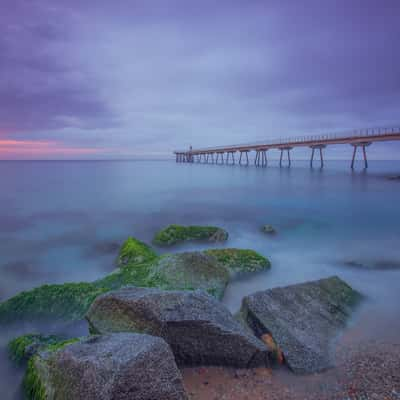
70 301
374 264
120 366
134 251
139 266
22 348
188 271
269 229
199 329
303 319
174 234
240 260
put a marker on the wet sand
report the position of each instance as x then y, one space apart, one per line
370 370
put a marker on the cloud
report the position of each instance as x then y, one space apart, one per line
145 77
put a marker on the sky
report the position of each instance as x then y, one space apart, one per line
100 79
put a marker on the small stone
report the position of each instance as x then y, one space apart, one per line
269 229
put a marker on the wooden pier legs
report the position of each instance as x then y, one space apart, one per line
363 145
319 147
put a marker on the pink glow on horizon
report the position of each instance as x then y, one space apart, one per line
16 148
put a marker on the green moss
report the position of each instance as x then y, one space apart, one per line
240 260
23 347
189 271
70 301
33 386
57 301
134 251
174 234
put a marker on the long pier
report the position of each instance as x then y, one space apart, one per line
226 154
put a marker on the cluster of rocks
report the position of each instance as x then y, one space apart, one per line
140 336
155 314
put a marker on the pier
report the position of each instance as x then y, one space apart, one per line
358 139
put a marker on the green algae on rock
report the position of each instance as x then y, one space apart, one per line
135 251
188 271
69 300
240 260
22 348
174 234
209 270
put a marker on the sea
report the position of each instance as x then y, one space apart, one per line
63 221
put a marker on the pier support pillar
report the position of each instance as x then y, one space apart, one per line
247 157
232 156
288 156
212 158
363 145
318 147
220 155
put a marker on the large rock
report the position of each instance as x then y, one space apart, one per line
191 270
199 329
303 319
174 234
120 366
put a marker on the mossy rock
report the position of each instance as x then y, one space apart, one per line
174 234
240 260
189 271
134 251
69 300
22 348
34 385
209 270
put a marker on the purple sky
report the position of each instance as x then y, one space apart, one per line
125 79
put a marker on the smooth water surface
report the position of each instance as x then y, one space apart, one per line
63 221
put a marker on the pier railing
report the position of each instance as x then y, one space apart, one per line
345 135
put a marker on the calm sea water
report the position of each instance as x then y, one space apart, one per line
63 221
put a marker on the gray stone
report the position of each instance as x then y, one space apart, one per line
190 270
303 319
120 366
199 329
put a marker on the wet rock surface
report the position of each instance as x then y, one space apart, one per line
191 270
199 329
303 319
384 264
174 234
119 366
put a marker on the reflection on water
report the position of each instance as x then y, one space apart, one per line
63 221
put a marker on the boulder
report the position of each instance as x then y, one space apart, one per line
174 234
302 319
188 271
199 329
120 366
